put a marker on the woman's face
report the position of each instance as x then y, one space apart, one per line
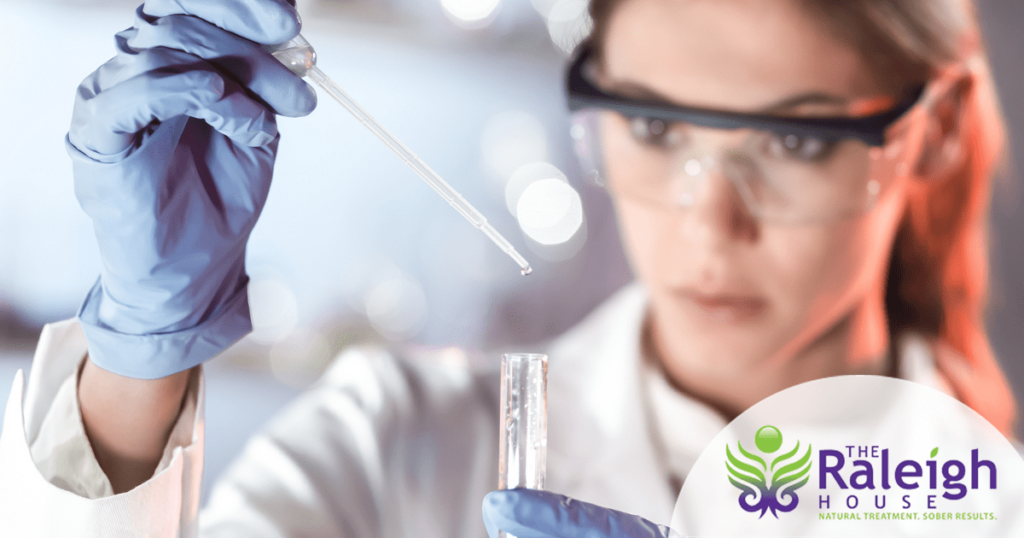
730 291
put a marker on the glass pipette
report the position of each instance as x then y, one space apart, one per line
298 55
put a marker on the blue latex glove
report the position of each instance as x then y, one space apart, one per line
528 513
173 144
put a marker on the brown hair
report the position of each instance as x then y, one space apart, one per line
938 274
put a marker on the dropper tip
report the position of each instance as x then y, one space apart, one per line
527 270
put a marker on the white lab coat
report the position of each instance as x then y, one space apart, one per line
382 446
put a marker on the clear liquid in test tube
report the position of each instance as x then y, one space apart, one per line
522 453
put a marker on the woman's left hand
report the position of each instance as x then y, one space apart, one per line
528 513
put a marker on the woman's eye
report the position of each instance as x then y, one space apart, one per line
803 148
652 132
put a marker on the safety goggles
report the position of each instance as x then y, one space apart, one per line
787 169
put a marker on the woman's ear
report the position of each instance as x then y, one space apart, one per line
942 147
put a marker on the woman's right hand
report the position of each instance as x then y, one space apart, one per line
173 144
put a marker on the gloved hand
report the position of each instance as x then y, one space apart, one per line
173 144
528 513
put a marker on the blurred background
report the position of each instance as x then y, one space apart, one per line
352 246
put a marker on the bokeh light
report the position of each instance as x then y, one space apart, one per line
550 211
524 177
453 357
472 13
273 309
569 23
543 6
511 140
396 308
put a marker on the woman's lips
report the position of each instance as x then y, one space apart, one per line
724 307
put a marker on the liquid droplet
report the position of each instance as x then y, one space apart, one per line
527 270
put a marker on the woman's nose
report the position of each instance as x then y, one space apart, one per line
714 210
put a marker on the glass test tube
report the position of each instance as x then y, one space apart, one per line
522 453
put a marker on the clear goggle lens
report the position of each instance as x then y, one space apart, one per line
780 177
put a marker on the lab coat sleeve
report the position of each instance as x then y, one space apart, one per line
62 494
380 447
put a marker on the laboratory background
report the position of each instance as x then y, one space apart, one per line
353 247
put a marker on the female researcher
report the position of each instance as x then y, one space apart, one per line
801 186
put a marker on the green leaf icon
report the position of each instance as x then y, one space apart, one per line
935 452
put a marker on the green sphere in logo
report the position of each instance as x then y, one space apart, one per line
768 439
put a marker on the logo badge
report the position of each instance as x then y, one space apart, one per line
765 486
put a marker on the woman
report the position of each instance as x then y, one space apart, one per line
801 185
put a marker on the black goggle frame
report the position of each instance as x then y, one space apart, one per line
583 94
